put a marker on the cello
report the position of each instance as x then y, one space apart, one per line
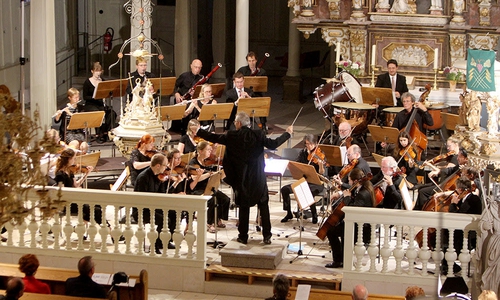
337 214
413 129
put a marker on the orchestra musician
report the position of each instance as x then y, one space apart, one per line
73 138
406 156
140 157
306 156
425 193
362 196
353 155
194 108
189 141
233 95
392 79
140 73
148 181
198 183
244 168
451 157
387 183
182 85
250 69
342 139
409 103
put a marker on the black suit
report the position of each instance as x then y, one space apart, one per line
231 97
384 80
244 167
392 195
84 286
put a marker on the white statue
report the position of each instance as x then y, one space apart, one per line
400 7
492 106
470 111
436 5
382 4
357 4
488 247
458 6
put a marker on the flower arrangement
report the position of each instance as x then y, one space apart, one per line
452 74
355 68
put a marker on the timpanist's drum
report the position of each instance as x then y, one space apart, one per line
345 90
390 114
359 115
435 110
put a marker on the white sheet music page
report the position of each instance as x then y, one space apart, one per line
303 195
303 291
343 154
275 166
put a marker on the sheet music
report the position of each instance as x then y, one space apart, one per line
343 154
405 193
102 278
275 166
303 195
394 99
303 291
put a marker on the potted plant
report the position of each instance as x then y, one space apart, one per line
355 68
453 75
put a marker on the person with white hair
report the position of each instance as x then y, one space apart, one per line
359 292
386 184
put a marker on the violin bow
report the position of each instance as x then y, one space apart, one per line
406 151
309 162
345 139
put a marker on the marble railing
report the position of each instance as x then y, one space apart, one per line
400 258
64 235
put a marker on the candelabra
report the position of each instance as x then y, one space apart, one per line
337 63
372 84
435 88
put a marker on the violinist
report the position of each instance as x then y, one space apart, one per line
148 181
194 108
424 193
361 196
177 173
386 184
198 183
310 150
342 139
188 141
355 161
141 156
409 104
406 155
73 138
452 145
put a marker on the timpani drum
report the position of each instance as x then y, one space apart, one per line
390 114
435 110
353 86
359 115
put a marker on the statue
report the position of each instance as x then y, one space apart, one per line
357 4
400 7
436 5
492 105
458 6
382 5
470 111
488 248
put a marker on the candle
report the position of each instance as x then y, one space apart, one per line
337 58
22 28
436 53
374 51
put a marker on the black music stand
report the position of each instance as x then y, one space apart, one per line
86 120
172 112
255 107
217 90
389 135
211 190
219 111
304 199
256 83
110 89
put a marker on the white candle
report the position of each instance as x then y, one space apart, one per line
374 51
22 28
436 53
337 58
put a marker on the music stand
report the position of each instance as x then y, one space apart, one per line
120 181
378 158
304 199
300 170
89 160
380 96
211 190
110 89
386 134
217 90
185 158
335 155
172 112
86 120
256 83
219 111
165 85
255 107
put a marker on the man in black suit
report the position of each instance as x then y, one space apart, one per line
235 94
387 80
83 285
388 182
244 167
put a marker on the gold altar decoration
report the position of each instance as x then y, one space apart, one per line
20 169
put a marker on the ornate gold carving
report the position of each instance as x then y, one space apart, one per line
488 149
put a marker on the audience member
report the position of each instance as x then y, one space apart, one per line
414 292
28 264
359 292
14 290
487 295
83 285
281 285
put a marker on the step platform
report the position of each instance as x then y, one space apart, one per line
255 254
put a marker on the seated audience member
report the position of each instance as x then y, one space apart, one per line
487 295
198 183
28 264
83 285
189 141
414 292
281 285
140 157
14 290
359 292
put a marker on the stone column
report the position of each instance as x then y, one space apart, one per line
43 81
182 36
242 29
292 83
219 38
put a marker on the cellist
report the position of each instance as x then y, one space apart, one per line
409 104
426 192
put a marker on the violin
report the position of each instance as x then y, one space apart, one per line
347 168
79 169
438 159
379 194
317 156
409 155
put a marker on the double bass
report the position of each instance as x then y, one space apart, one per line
412 128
